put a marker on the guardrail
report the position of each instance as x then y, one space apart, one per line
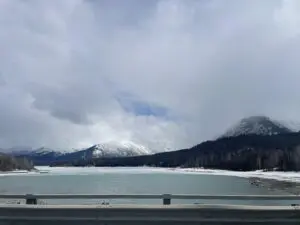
192 214
32 199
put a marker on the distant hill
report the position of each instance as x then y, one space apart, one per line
260 125
241 153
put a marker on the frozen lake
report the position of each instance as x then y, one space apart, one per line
142 180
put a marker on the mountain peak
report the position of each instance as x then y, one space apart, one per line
255 119
261 125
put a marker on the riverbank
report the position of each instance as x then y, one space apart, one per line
10 163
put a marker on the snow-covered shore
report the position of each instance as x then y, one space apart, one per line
276 175
17 172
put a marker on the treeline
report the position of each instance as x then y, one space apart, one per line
242 153
10 163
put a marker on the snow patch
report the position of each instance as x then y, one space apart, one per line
276 175
292 125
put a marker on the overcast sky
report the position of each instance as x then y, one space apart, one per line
162 73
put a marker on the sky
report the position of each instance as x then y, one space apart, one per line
166 74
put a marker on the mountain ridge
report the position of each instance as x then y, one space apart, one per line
255 143
46 156
240 153
259 134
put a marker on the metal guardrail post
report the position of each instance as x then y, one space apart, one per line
167 199
31 200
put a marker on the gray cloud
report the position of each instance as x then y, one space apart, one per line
66 65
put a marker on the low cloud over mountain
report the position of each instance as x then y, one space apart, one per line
165 74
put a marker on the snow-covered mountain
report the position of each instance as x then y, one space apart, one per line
260 125
119 149
44 155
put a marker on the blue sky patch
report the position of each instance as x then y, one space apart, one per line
140 108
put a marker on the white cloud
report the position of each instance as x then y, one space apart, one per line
65 65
